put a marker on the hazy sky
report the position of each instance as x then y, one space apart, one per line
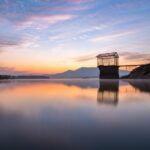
48 36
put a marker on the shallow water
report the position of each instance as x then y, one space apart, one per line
75 114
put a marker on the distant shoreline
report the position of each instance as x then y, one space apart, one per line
142 72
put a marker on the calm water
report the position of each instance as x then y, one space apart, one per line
85 114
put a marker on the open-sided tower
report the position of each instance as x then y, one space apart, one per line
108 65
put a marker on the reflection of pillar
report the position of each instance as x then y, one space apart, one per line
108 91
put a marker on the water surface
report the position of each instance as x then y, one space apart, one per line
75 114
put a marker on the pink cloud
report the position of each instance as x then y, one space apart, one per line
43 21
85 57
136 56
81 1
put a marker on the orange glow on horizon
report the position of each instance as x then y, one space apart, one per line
40 70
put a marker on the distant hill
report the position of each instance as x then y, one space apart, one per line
83 73
79 73
142 72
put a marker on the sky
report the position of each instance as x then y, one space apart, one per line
51 36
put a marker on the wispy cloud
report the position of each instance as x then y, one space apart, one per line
10 40
43 21
13 42
84 58
128 5
11 71
112 36
127 56
88 57
40 14
135 56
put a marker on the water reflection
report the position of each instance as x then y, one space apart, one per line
108 92
142 85
66 114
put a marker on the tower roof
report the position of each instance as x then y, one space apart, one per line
108 55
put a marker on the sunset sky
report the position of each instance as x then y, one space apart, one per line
50 36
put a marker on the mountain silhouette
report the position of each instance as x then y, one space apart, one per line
91 72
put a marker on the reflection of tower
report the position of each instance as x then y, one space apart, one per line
108 91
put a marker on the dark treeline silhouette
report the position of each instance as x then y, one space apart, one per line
5 77
2 77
